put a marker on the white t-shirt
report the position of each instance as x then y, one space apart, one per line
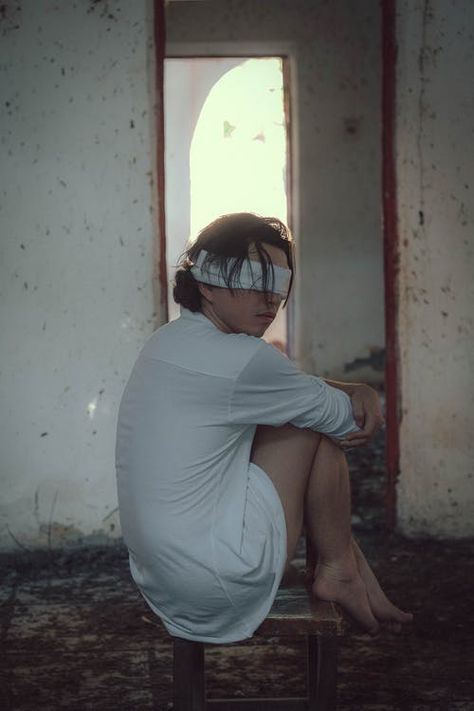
205 528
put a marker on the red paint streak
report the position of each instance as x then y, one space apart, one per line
290 344
160 271
391 255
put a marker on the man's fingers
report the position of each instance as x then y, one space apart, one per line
370 427
358 439
358 415
372 424
367 415
354 436
352 445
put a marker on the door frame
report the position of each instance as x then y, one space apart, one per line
391 258
246 50
389 199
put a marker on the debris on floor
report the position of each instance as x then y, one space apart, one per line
73 636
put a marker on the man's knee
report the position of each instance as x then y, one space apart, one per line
330 448
286 434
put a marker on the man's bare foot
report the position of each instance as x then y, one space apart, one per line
342 583
382 608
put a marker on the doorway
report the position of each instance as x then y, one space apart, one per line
226 150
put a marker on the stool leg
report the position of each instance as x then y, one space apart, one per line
322 673
189 690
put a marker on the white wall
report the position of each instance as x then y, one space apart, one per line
335 49
77 235
435 164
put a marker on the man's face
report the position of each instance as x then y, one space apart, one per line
246 310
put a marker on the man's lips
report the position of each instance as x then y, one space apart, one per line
267 314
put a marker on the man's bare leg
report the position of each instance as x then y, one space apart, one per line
310 474
328 517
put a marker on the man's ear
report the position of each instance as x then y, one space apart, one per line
206 291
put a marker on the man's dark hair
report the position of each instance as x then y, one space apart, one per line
230 236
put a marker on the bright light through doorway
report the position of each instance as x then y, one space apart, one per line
238 149
238 153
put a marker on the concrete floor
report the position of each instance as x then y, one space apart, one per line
72 634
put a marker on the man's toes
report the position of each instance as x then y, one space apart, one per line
360 611
398 616
374 631
387 612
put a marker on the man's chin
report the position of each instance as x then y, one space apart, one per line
256 332
254 329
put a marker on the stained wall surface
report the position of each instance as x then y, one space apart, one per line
435 135
76 256
334 50
78 213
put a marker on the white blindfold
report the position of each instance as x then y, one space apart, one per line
250 275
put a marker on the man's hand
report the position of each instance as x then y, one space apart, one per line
368 415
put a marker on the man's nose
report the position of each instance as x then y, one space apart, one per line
273 299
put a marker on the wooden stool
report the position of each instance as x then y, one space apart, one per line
294 612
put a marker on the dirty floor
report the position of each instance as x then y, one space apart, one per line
72 636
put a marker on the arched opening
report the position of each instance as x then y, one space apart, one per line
236 159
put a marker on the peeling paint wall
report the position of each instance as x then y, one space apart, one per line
77 209
335 52
435 120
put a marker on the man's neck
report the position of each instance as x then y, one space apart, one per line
209 313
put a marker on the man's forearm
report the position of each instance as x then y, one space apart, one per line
347 388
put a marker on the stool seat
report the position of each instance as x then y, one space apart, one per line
295 612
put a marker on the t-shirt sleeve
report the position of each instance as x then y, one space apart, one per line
272 390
